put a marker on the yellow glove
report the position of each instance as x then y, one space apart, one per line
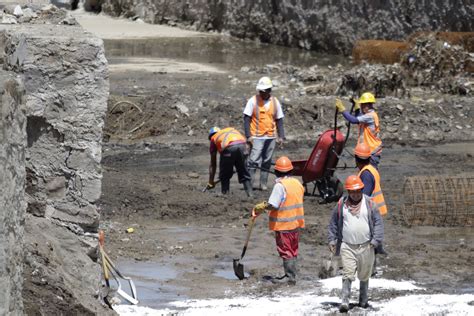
260 208
356 105
210 185
340 106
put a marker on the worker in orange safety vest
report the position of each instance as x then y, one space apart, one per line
369 124
263 126
286 217
371 178
230 144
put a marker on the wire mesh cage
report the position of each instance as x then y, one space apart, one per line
439 201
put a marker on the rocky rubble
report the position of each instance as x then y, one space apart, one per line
449 68
36 14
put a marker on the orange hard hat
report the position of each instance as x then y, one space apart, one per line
353 183
283 164
362 151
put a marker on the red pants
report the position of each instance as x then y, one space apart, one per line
287 243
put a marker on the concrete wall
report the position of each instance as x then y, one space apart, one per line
324 25
12 194
66 82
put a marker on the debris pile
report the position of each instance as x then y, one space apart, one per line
34 14
431 60
383 80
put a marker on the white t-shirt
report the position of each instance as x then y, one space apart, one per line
355 229
249 109
278 195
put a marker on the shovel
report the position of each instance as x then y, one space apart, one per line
331 266
205 189
239 267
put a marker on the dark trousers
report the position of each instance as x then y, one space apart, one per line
233 155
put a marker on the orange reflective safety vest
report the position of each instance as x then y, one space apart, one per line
290 213
225 136
369 137
263 120
377 195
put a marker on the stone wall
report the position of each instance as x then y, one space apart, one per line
12 194
324 25
66 82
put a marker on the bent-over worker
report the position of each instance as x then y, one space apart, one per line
230 144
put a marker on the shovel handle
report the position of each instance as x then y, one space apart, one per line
249 232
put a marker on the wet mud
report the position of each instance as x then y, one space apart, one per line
185 239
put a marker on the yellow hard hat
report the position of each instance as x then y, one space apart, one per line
367 97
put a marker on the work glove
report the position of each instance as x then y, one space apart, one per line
210 185
340 106
259 208
356 104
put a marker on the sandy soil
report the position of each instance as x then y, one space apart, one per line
107 27
153 181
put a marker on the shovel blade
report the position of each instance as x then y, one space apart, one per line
239 269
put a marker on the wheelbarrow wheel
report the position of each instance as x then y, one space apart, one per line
330 189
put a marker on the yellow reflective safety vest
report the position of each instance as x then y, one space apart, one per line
377 195
290 213
263 120
369 137
225 136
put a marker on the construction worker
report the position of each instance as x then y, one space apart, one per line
286 217
230 144
354 231
369 125
263 118
371 178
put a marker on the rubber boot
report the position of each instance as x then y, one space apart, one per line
225 185
285 278
363 294
290 270
263 180
248 188
346 294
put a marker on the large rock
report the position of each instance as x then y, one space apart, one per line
12 194
317 24
66 81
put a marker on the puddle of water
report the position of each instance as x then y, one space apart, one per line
462 236
217 50
150 281
228 274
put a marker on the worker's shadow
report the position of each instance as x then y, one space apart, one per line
331 305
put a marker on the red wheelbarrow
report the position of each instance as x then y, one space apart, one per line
319 168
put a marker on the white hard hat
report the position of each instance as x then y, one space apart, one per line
264 83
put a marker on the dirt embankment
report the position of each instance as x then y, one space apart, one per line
316 25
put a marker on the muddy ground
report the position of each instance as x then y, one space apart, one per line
165 94
155 166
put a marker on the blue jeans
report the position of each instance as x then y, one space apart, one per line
261 156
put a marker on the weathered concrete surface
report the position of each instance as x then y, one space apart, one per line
325 25
12 194
66 82
65 76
